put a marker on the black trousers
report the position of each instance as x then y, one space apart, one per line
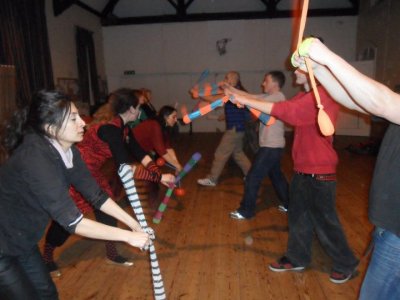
26 277
313 209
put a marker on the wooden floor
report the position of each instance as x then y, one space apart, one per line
204 254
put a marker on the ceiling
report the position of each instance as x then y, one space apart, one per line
127 12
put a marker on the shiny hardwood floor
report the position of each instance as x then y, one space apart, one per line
204 254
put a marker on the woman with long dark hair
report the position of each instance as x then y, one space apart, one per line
104 141
154 135
34 188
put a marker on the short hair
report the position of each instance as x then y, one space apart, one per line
279 77
317 37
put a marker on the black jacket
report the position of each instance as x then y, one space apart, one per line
34 187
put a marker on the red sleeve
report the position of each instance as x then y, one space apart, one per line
302 109
150 137
167 141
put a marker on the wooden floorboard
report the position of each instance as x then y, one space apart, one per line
204 254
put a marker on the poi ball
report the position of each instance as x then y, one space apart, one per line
179 192
160 162
248 240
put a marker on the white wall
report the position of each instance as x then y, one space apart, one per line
61 31
378 29
168 58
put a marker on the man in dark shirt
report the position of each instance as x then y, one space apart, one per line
363 94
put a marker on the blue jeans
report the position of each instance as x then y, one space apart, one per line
382 280
266 162
313 209
26 277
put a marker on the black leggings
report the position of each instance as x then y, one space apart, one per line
26 277
56 235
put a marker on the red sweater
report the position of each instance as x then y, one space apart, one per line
312 152
150 137
94 153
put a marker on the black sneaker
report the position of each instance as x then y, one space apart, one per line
53 269
120 260
283 265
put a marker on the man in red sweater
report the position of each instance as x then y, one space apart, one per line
313 187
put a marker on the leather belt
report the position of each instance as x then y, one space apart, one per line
321 177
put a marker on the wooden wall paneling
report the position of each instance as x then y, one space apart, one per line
7 98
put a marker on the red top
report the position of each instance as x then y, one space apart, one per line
312 152
95 153
150 137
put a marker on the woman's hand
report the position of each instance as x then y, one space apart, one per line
178 169
135 226
168 180
138 239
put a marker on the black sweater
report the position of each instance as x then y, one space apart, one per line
34 187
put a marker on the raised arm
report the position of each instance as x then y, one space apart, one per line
335 89
369 94
211 98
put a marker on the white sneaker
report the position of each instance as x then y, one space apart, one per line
236 215
206 182
282 208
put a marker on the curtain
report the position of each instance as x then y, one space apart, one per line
7 99
87 69
7 91
24 44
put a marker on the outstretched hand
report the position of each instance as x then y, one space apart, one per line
138 239
136 227
178 169
314 49
233 94
152 237
168 180
300 62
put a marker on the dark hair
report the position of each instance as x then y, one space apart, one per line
240 86
122 99
164 112
318 37
48 108
279 77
